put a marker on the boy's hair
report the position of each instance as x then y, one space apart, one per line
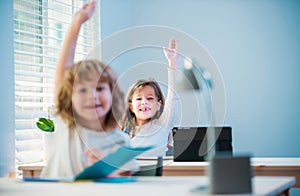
84 71
130 118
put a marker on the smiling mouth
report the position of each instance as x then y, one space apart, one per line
145 109
94 106
98 106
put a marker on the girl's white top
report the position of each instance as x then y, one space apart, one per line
156 132
67 157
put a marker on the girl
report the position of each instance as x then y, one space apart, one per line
88 104
148 119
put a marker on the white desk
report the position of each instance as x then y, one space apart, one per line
261 167
144 186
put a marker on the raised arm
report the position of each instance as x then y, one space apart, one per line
171 55
66 57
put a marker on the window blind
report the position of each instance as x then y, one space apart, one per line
39 29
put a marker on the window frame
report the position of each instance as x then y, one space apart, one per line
35 60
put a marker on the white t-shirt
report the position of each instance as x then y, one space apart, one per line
67 153
154 135
156 132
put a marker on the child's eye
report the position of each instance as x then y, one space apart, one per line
150 98
138 99
82 90
99 88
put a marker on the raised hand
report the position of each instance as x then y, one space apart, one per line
85 12
171 53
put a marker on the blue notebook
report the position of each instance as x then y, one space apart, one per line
102 168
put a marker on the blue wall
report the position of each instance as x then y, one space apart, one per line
255 45
114 16
7 112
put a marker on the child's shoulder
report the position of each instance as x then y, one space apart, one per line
117 133
59 123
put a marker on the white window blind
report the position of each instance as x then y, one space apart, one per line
39 30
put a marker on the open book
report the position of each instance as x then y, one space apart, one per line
102 168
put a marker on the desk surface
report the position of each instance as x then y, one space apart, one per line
261 167
144 186
286 162
257 162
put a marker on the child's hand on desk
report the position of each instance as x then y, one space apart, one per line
118 174
93 155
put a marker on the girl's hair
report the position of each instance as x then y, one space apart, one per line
86 71
129 123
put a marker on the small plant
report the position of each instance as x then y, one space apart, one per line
45 124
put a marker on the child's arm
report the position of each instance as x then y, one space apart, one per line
67 53
171 55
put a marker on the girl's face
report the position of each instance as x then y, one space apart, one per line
144 104
91 102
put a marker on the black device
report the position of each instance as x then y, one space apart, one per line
191 144
230 175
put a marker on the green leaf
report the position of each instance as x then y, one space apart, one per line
45 124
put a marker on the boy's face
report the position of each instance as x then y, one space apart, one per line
92 100
144 104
